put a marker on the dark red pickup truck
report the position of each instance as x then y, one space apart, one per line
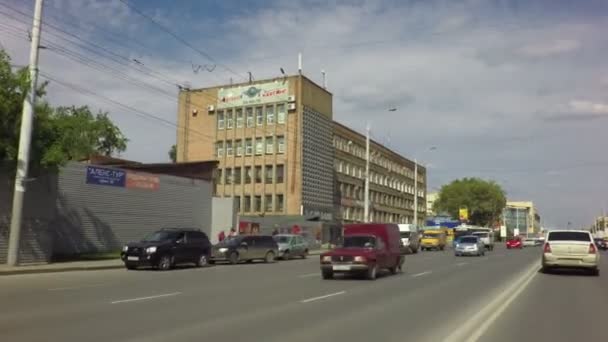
366 249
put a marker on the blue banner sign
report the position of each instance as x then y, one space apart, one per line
103 176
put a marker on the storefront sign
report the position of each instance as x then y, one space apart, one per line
252 94
142 181
104 176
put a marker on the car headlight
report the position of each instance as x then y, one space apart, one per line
125 248
326 258
151 250
223 250
359 259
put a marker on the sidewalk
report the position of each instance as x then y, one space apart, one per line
77 266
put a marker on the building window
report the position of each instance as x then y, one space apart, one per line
279 174
340 167
280 144
258 174
229 119
246 204
278 204
268 203
269 145
220 176
259 146
281 113
248 146
237 203
237 175
268 174
220 120
270 115
239 147
228 176
257 203
248 174
239 118
219 148
259 116
249 113
229 147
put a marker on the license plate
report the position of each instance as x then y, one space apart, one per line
341 268
133 258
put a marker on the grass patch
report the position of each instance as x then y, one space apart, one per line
88 256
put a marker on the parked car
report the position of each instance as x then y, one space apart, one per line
570 249
366 249
246 248
433 239
409 237
291 245
487 238
470 245
529 242
601 243
167 247
514 243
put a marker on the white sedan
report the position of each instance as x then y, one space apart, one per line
570 249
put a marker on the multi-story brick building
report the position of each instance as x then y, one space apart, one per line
280 152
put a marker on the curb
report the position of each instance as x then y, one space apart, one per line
58 270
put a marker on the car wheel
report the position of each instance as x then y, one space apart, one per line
165 263
372 273
286 255
233 258
131 267
305 254
269 257
327 274
394 269
203 260
544 269
415 251
595 272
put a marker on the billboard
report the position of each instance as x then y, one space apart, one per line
104 176
463 214
252 94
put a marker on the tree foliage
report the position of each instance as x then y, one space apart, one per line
173 153
484 200
59 134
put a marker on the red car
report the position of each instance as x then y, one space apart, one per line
366 249
514 243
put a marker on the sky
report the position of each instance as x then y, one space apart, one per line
507 90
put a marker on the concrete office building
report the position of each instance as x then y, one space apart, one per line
279 152
522 216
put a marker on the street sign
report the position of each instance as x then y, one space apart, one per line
503 231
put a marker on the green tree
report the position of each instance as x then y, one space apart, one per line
173 153
484 200
58 135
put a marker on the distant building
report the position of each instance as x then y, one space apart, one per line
600 226
430 201
522 216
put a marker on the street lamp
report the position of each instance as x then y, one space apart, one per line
432 148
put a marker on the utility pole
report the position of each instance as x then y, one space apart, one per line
366 194
416 193
25 137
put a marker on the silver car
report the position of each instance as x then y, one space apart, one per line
469 245
291 245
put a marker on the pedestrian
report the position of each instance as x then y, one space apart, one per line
275 232
232 233
221 236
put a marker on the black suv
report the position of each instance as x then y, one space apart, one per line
167 247
246 248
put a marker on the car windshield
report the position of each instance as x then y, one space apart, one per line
405 234
282 238
161 236
483 235
468 240
569 236
359 241
430 236
230 241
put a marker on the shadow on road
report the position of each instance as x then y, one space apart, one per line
568 272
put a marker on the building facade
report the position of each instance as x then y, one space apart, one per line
281 153
522 217
430 202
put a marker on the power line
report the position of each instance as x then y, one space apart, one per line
179 39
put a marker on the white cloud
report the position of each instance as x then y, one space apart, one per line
588 107
551 48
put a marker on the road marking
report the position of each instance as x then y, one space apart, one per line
308 275
322 297
145 298
476 326
462 264
421 274
76 287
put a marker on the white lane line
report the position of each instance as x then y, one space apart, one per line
322 297
421 274
309 275
462 264
477 325
76 287
145 298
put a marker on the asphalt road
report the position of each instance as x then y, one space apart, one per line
438 297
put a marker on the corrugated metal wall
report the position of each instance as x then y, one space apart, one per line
64 215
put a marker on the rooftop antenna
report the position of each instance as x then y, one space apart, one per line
284 75
250 76
300 63
324 79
